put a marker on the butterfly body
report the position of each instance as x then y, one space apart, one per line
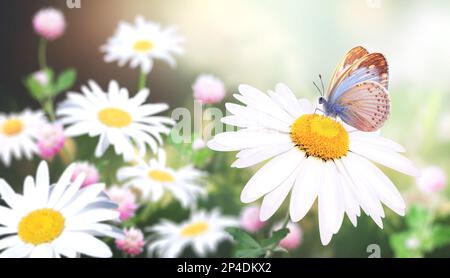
358 93
331 109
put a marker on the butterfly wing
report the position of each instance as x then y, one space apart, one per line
366 105
371 67
376 68
349 59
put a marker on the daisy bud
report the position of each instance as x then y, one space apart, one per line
432 179
293 238
91 172
49 23
125 199
132 243
208 89
41 77
250 219
70 151
50 140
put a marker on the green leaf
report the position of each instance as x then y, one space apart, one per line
280 250
243 239
34 88
50 75
440 236
250 253
416 217
39 91
277 236
65 81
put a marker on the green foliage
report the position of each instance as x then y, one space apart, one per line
248 247
421 237
197 157
43 92
277 236
416 217
39 91
440 235
65 81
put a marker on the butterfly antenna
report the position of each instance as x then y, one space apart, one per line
317 87
321 81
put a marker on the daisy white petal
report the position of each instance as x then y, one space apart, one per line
21 250
42 251
8 195
243 139
387 158
306 188
87 244
271 175
273 200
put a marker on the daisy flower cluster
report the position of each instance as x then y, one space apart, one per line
113 190
127 188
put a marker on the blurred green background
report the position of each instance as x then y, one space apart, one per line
262 42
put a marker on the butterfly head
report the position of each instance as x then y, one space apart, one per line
322 100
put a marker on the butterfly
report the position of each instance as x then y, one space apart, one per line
358 90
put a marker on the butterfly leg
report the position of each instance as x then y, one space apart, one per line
318 109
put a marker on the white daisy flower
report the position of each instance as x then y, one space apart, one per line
203 231
312 156
142 42
18 133
55 220
118 119
152 179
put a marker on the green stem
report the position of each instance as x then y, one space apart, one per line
146 212
48 107
286 221
142 80
42 53
431 213
272 248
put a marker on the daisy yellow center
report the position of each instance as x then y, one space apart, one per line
320 136
41 226
12 127
194 229
161 176
114 117
143 46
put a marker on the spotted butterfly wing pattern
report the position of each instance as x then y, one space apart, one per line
374 67
367 106
358 90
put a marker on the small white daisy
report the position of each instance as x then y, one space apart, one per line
18 133
118 119
142 42
203 231
312 156
55 220
152 179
